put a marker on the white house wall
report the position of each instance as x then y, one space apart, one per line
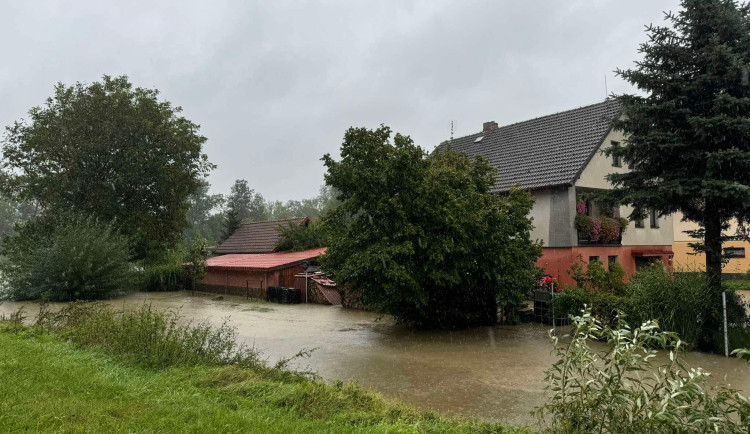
594 176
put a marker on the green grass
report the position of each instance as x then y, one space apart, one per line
61 378
738 284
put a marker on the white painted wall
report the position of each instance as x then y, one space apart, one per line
594 176
540 214
663 235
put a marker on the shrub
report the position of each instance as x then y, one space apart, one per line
676 300
69 258
596 278
620 391
682 302
600 289
196 267
164 274
604 306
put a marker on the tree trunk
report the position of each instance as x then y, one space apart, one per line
713 240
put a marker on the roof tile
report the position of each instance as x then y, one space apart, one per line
543 152
255 237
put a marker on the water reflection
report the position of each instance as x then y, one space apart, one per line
493 373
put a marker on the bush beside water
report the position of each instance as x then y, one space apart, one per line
71 258
164 273
679 301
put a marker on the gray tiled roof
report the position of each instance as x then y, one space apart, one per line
255 237
546 151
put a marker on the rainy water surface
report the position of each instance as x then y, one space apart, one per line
491 373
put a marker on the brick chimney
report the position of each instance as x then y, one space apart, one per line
489 126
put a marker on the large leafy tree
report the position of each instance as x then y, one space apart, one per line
688 132
203 221
112 151
421 236
248 204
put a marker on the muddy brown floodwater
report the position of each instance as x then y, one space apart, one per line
491 373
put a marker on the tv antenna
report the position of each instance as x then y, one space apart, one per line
606 90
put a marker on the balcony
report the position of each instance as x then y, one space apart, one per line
584 239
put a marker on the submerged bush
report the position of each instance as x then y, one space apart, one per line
677 301
598 288
165 273
682 302
621 391
68 258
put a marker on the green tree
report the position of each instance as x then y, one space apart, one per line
196 267
295 237
9 217
203 222
688 132
246 203
421 236
112 151
231 223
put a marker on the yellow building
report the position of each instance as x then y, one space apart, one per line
686 258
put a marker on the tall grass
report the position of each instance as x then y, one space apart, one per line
677 300
148 337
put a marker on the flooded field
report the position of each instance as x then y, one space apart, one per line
492 373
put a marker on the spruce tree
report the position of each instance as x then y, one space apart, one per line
688 131
232 222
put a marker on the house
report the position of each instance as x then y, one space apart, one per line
559 159
685 257
256 237
252 273
249 263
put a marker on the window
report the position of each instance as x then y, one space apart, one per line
593 259
654 219
616 159
639 223
612 261
735 252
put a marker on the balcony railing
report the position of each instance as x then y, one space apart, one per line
585 239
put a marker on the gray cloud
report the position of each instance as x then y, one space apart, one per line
274 84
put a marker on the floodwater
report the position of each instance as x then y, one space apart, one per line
490 373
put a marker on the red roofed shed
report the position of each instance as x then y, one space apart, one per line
253 273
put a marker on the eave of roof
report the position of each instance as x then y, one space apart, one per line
262 261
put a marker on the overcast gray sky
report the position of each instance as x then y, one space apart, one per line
275 84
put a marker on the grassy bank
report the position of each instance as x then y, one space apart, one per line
69 374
